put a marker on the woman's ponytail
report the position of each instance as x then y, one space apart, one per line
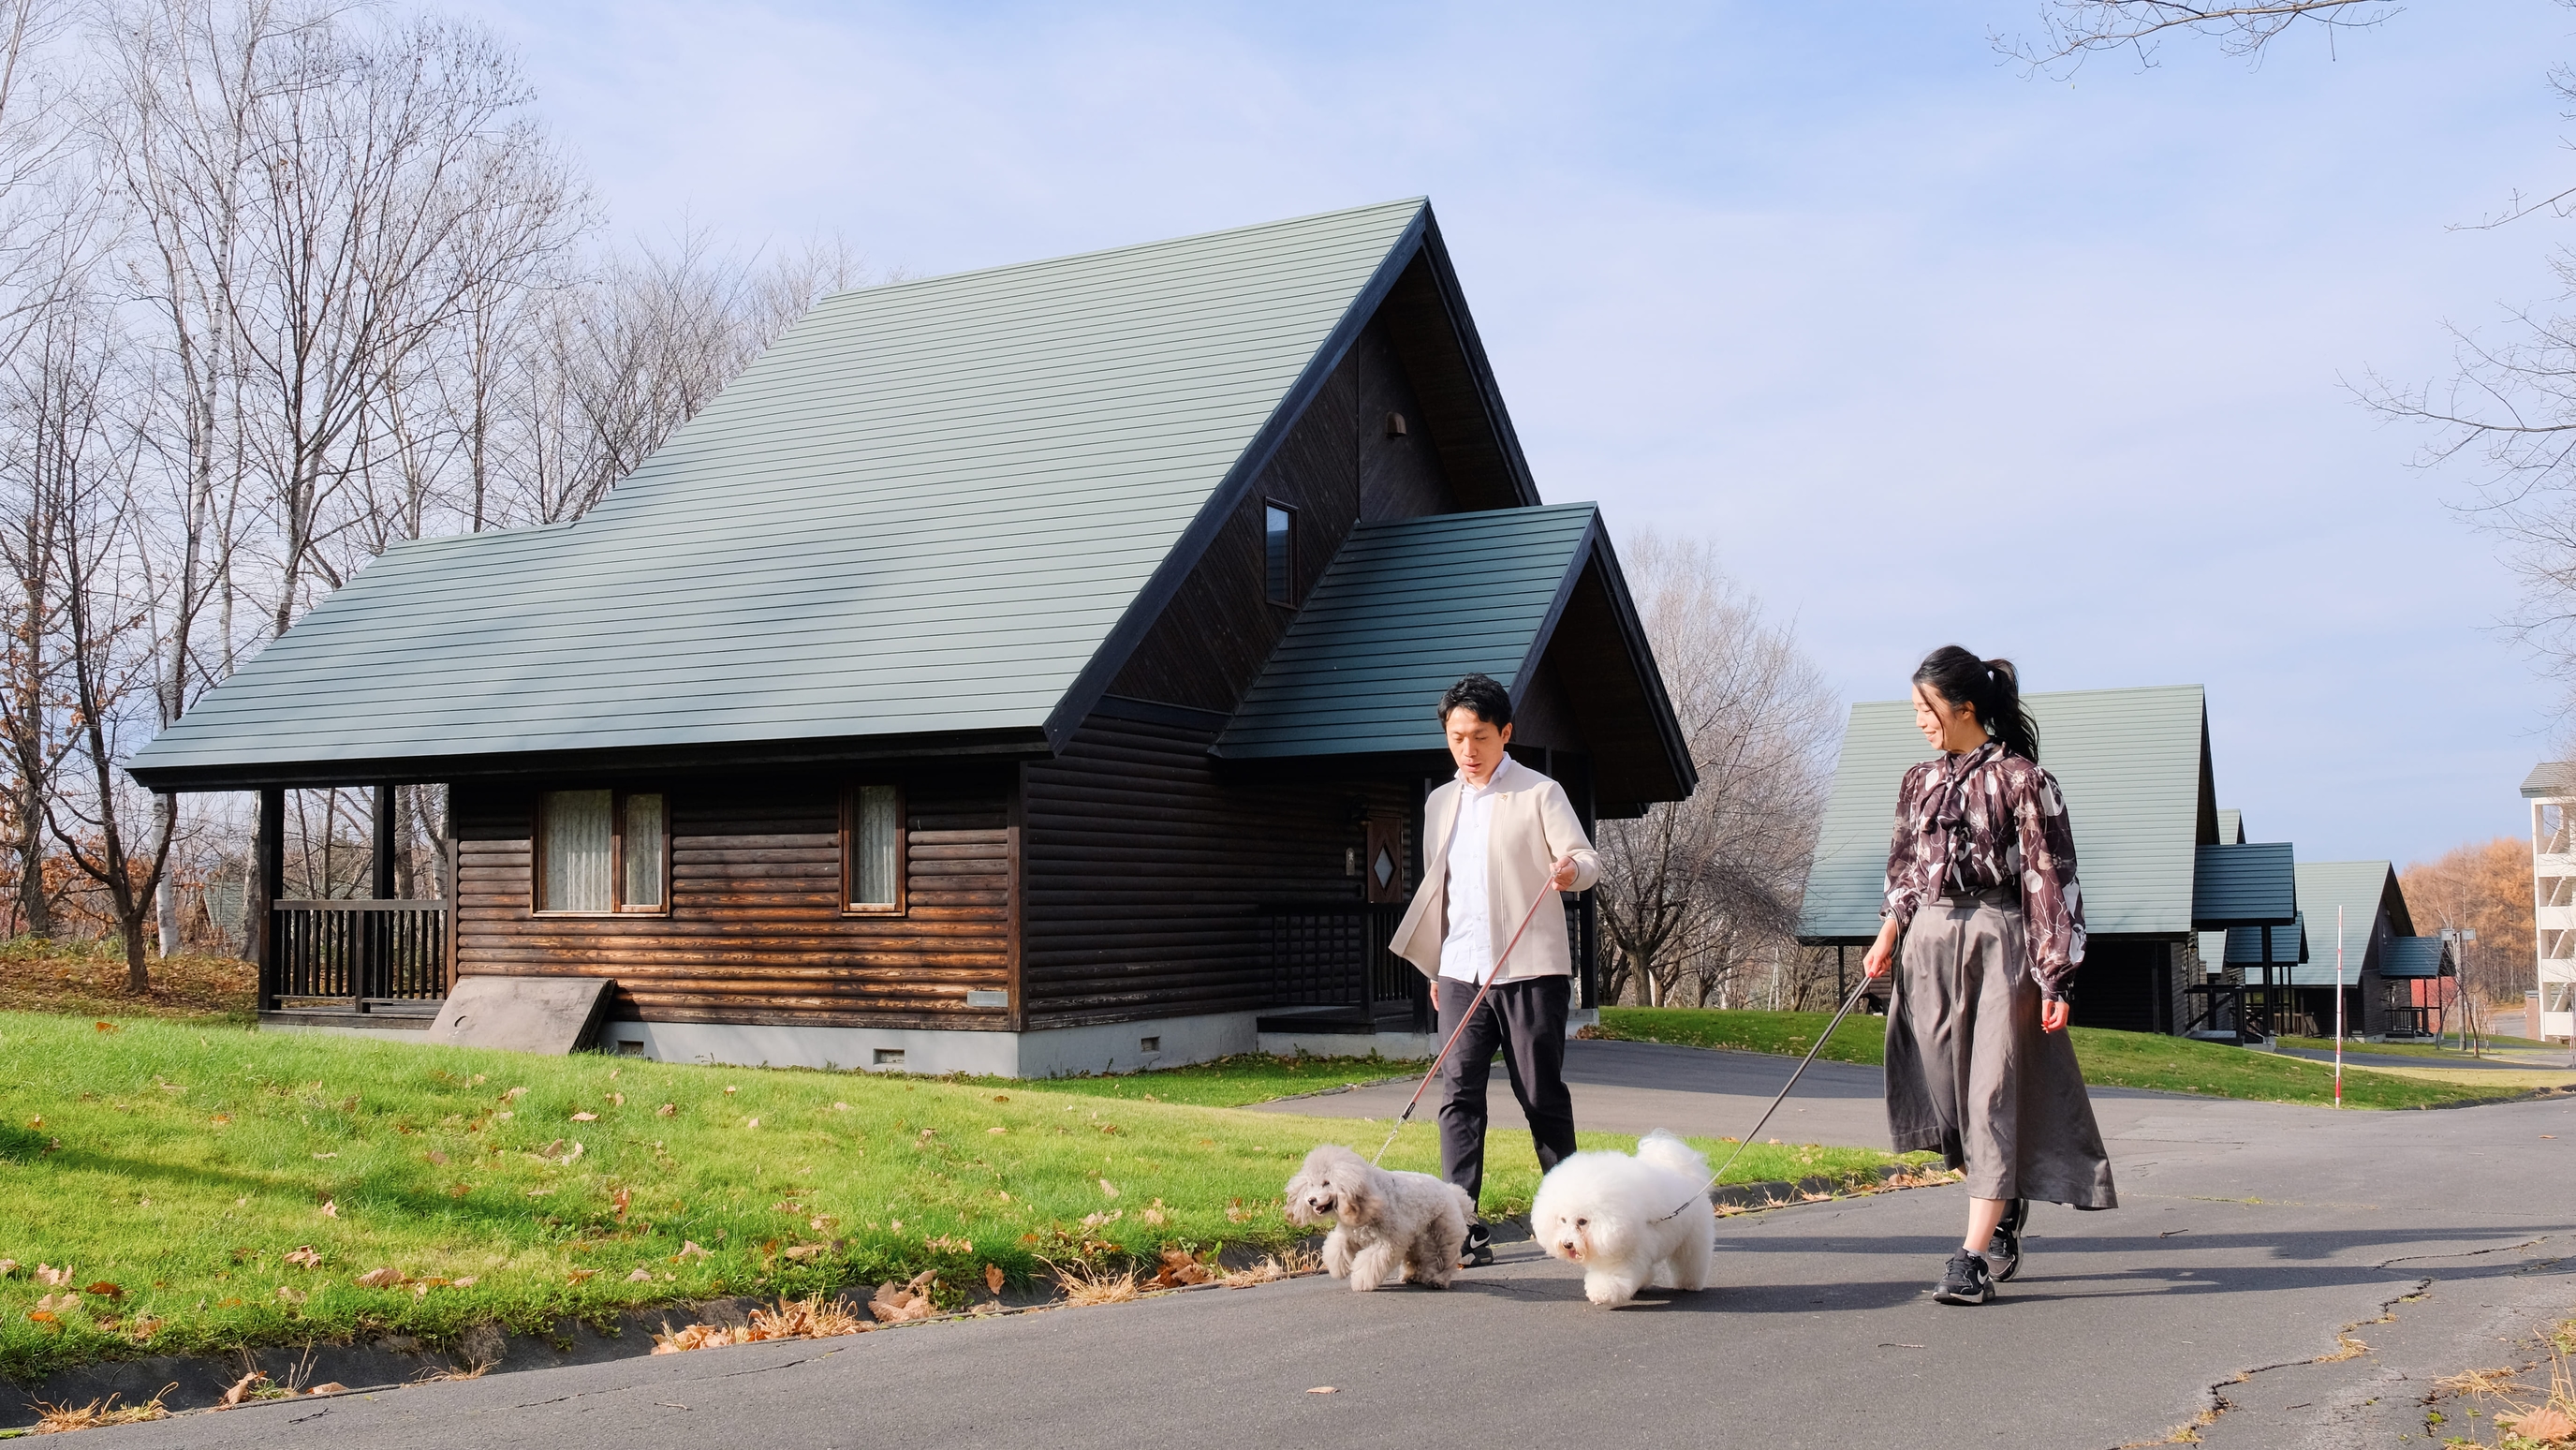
1992 687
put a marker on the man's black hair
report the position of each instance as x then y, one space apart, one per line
1491 702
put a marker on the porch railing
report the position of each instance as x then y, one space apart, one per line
1338 954
359 955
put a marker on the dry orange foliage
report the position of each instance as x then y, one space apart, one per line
2485 887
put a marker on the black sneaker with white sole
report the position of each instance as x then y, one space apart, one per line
1964 1280
2003 1251
1479 1252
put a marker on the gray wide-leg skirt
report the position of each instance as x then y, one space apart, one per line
1969 1073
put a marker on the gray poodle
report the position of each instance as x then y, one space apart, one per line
1388 1226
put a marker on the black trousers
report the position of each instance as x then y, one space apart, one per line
1526 1019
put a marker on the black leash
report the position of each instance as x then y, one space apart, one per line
1747 1141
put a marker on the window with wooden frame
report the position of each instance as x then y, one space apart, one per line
602 853
872 853
1279 552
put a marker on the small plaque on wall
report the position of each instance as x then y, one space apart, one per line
987 997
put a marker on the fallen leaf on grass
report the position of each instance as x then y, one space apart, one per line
304 1256
385 1278
585 1117
289 1295
993 1277
48 1274
465 1283
997 1132
8 1267
640 1276
105 1290
580 1276
1180 1267
330 1208
326 1155
689 1249
1108 1189
109 1027
801 1252
754 1123
437 1159
666 1110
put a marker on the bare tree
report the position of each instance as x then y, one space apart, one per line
1694 890
2070 30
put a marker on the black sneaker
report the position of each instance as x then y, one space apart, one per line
1479 1253
1964 1280
2003 1251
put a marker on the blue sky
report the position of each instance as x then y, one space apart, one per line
1931 350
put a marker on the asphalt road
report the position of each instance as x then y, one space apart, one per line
2249 1236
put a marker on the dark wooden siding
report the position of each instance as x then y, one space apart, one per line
1335 466
1146 869
2125 983
755 932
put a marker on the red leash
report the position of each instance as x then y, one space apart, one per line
1546 889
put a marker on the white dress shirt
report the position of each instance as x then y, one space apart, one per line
1467 953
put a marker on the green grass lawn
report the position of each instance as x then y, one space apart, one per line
232 1187
2110 1059
2417 1049
1228 1082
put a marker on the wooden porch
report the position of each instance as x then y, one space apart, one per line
369 963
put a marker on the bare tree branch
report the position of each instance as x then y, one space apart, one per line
2071 30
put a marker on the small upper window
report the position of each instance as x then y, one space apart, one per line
601 851
872 850
1279 540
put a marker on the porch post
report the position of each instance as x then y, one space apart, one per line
384 859
267 879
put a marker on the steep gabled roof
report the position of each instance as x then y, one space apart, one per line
935 508
1408 606
2134 768
2246 884
2373 908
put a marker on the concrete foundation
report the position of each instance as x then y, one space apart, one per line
1054 1052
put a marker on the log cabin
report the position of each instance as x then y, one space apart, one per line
1025 671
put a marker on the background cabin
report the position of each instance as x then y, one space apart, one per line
1026 671
2135 769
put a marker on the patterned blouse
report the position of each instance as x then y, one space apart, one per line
1967 823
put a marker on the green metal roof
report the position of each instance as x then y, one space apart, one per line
2289 945
923 509
2373 909
2129 761
2413 956
2243 885
1405 608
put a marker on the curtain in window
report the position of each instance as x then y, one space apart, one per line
576 830
643 854
876 875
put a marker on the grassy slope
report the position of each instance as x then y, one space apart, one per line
183 1163
1229 1082
89 978
2110 1059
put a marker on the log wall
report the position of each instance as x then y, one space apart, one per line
755 933
1146 867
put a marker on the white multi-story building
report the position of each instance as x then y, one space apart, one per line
2551 789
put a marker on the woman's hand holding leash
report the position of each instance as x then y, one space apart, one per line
1882 954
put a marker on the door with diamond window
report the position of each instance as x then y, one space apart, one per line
1383 865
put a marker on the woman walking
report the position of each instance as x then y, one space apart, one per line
1981 891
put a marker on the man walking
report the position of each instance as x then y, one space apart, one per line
1495 836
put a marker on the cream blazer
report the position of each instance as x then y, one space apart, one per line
1533 825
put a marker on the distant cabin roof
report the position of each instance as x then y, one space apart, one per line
2415 956
2243 946
2133 765
2231 828
1408 607
2247 884
2368 894
923 510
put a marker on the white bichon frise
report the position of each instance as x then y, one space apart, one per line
1388 1227
1627 1219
